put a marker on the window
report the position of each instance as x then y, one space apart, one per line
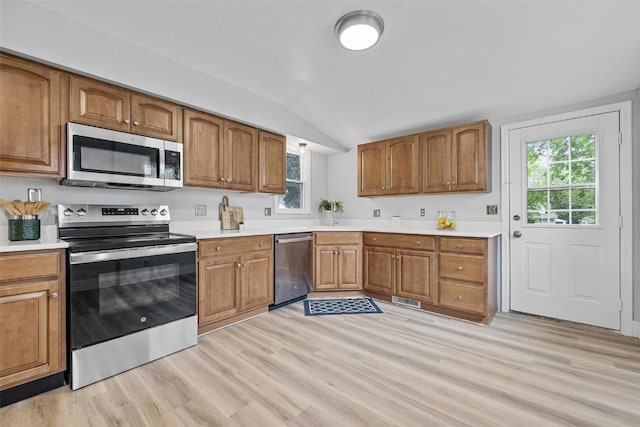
296 199
561 180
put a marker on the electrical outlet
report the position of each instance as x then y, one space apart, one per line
492 209
267 211
422 212
201 210
376 213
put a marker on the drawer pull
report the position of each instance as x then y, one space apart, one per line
459 246
239 265
459 298
418 242
459 268
260 244
53 295
217 248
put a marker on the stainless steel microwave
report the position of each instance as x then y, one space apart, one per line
110 159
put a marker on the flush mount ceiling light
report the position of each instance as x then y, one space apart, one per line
359 30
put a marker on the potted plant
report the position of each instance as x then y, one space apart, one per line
328 208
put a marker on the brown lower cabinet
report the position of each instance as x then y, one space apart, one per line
32 316
337 261
400 264
235 279
449 275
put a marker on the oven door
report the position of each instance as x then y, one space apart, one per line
115 293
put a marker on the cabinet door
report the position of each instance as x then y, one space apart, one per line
416 278
349 267
203 149
273 162
218 289
435 157
469 158
403 161
379 270
29 331
99 104
30 125
326 268
257 280
155 118
371 169
241 148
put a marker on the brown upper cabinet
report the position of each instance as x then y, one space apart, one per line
31 131
272 173
445 160
103 105
389 167
455 159
219 153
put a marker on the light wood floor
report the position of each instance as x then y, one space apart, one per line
400 368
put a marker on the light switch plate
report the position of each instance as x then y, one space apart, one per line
492 209
201 210
267 211
376 213
422 212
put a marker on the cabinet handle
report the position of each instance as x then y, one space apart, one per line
260 244
244 265
459 246
135 123
453 183
418 242
217 248
229 179
222 179
459 268
459 298
239 265
126 121
53 295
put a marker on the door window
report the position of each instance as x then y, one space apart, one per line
561 180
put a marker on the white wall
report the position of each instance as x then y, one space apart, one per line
181 201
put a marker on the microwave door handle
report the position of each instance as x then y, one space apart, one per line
161 166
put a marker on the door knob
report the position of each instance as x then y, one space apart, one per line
516 217
517 234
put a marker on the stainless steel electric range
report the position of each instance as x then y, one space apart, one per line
131 288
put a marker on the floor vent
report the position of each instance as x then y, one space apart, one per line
405 301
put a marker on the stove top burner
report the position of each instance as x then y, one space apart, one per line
100 227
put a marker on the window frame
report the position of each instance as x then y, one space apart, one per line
305 180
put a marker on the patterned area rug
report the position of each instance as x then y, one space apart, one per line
315 307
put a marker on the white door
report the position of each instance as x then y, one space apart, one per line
564 220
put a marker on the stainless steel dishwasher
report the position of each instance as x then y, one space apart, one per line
293 267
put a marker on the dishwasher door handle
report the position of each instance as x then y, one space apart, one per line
295 239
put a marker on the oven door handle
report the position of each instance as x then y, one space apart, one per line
115 254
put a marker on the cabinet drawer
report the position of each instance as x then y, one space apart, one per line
338 238
463 267
226 246
461 297
408 241
29 265
463 246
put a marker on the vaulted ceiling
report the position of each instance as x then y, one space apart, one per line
438 62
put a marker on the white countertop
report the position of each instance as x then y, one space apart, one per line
31 245
216 233
211 230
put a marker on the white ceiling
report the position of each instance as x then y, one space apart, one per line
438 62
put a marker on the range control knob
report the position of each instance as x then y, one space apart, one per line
163 212
67 212
154 212
145 212
82 212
